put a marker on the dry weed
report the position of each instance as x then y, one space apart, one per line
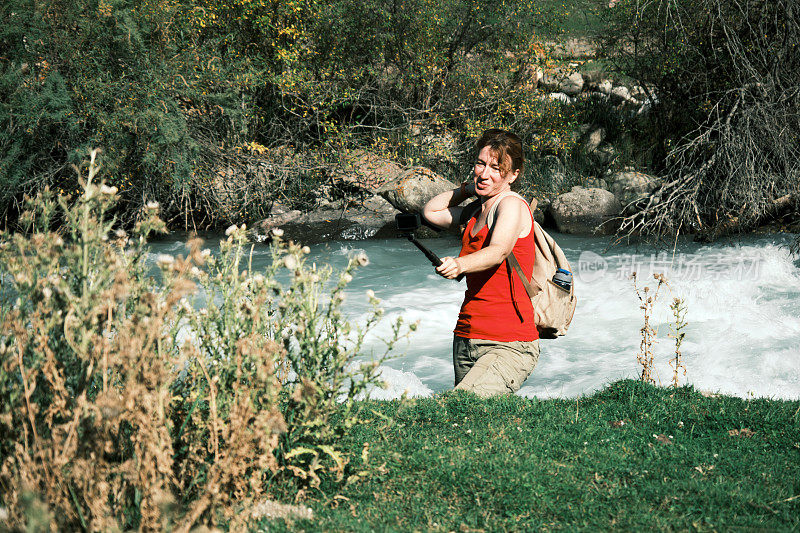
127 403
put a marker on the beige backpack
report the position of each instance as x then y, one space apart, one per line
554 306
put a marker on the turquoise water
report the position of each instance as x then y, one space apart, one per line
743 300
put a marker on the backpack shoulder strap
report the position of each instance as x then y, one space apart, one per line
490 215
531 286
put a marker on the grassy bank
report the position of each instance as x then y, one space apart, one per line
630 457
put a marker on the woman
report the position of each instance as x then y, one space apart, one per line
496 345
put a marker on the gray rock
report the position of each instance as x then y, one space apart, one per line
571 85
560 97
549 82
365 170
592 140
411 190
585 211
605 87
592 78
620 93
638 92
593 182
630 186
372 218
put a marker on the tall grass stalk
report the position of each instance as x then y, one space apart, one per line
648 299
131 403
678 308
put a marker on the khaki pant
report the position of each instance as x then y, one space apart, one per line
488 368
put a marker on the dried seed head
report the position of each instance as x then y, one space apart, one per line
290 262
165 260
362 259
230 230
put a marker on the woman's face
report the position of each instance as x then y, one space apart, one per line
489 178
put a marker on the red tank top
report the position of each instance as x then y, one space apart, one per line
494 308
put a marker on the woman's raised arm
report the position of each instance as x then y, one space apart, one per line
443 209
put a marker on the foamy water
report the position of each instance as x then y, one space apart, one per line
742 338
743 301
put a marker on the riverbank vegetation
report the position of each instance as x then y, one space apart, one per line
629 457
218 109
152 397
724 132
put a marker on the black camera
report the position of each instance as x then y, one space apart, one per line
407 222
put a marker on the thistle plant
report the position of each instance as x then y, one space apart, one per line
678 308
134 401
648 299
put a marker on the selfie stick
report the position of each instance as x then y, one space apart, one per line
432 257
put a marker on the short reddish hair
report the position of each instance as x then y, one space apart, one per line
505 146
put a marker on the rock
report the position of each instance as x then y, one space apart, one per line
571 85
585 211
593 182
271 509
620 94
411 190
647 104
560 97
371 218
605 87
592 78
629 187
592 140
365 171
549 82
638 92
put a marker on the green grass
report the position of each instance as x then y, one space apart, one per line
455 462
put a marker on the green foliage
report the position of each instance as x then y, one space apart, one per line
174 90
130 402
629 457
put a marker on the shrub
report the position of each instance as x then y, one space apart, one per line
131 403
725 125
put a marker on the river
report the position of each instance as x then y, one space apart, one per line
742 299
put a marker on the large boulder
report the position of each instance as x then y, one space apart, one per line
630 187
347 220
365 170
605 87
411 190
572 84
585 211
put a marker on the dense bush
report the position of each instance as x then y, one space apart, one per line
725 128
183 94
127 402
